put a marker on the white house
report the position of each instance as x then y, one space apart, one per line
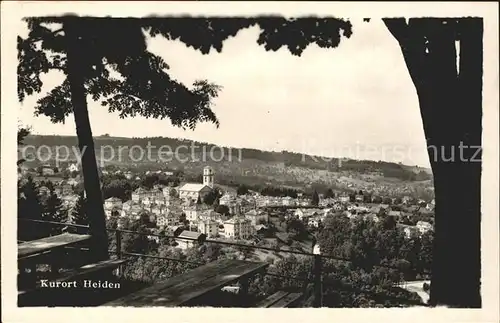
73 167
287 201
111 204
133 211
299 213
167 219
245 204
139 194
47 170
314 221
409 230
146 200
129 175
192 211
238 227
209 227
158 209
304 215
257 217
344 199
429 206
423 226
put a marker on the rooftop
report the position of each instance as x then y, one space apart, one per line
236 220
190 234
113 199
192 187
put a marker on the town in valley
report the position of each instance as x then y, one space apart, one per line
181 211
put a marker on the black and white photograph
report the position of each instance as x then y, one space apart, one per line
197 155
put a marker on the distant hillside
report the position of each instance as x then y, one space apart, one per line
236 165
288 158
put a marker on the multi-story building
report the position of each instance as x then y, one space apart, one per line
227 199
257 217
113 202
192 211
158 209
167 219
208 227
238 228
134 211
245 205
139 194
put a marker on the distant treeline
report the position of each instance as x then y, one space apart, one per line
289 159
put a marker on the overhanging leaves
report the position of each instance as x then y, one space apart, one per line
125 77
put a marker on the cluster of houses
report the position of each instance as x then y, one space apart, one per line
171 207
64 189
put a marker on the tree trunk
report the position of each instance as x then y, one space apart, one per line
450 104
95 203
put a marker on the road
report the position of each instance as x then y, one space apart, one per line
417 287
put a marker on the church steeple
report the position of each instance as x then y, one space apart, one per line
208 176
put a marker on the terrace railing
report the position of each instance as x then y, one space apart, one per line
316 277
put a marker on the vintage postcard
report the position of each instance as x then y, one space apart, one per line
217 159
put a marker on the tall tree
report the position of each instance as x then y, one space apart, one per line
22 132
85 50
315 199
29 207
212 198
53 210
429 49
78 214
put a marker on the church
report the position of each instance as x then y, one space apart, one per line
193 191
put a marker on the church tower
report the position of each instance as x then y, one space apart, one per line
208 176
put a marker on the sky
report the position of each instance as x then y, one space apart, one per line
356 100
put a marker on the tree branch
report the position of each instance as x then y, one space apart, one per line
54 33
